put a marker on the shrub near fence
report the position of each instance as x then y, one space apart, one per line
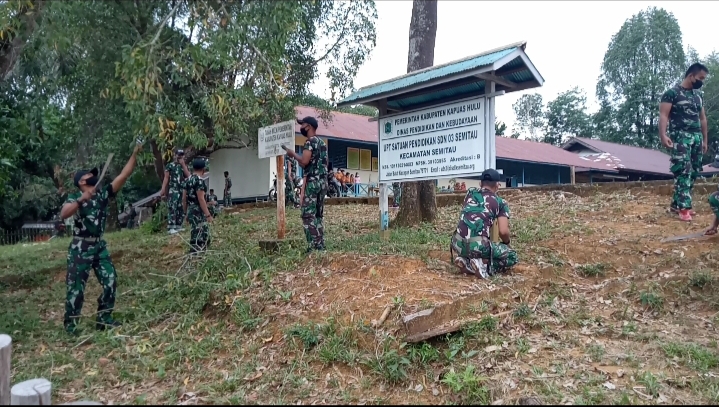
24 236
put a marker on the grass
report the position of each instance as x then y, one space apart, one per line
246 327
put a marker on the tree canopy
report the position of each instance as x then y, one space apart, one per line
83 79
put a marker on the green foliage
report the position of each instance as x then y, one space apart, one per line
566 116
529 112
644 58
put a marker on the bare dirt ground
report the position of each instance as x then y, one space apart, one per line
599 311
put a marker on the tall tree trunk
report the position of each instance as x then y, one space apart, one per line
11 47
418 203
159 163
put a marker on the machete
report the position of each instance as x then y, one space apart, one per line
685 237
104 169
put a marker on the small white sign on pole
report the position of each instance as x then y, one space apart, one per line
272 138
438 142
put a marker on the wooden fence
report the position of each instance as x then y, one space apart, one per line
35 392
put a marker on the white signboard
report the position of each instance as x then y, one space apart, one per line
272 138
439 142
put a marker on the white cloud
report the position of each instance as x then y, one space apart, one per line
566 41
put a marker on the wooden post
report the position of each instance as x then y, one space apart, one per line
5 355
571 174
494 233
35 392
280 197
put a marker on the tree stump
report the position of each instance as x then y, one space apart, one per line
5 355
35 392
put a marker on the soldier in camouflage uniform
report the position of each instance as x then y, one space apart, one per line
471 247
88 250
682 108
198 215
227 194
396 192
175 174
314 161
212 203
290 165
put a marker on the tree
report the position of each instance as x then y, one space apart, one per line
711 105
644 58
566 116
530 118
418 198
500 128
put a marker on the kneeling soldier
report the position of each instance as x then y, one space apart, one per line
88 250
471 247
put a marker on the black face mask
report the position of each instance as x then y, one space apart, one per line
303 131
92 181
697 84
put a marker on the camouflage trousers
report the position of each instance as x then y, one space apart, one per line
714 203
227 199
82 256
501 257
313 213
175 214
686 164
200 233
397 192
213 210
290 193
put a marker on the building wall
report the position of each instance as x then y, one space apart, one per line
337 150
251 177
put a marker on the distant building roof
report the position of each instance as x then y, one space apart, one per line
542 153
345 126
622 156
709 169
508 67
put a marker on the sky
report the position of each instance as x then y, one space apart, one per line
566 40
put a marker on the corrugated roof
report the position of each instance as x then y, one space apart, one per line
519 70
632 158
346 126
541 153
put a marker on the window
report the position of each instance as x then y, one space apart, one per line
353 158
365 160
375 164
359 159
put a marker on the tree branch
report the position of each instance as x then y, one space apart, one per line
339 39
162 24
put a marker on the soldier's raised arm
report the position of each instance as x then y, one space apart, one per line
120 180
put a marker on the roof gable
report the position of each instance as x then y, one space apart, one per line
347 126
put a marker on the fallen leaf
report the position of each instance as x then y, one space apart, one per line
418 388
609 385
492 348
268 339
253 377
187 380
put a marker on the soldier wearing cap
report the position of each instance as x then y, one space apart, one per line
88 209
471 247
314 189
198 214
175 173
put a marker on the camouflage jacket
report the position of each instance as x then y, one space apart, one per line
89 220
290 165
317 167
481 209
211 197
177 176
686 107
192 186
228 184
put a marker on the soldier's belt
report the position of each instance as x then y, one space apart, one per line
87 239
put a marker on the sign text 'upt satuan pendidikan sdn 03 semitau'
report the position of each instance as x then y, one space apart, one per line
438 142
272 138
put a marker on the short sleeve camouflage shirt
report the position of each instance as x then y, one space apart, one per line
481 209
89 220
177 175
228 183
211 197
317 167
192 186
686 107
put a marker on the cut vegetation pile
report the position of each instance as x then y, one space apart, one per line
599 311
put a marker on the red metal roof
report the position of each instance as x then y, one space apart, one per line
343 125
543 153
630 157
